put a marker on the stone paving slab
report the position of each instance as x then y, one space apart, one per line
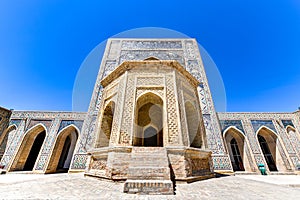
289 180
76 186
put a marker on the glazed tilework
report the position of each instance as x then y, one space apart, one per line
259 123
221 162
171 111
47 115
287 123
127 55
283 136
127 124
287 144
33 122
79 161
185 51
52 121
12 146
15 122
128 44
227 123
48 145
286 126
4 119
65 123
294 137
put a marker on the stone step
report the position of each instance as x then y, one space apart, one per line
153 159
148 154
149 187
143 159
150 177
148 149
134 171
149 171
148 165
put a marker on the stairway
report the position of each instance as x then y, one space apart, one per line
149 172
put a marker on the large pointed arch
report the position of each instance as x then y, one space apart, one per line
29 149
4 138
294 137
106 121
290 128
63 150
237 147
269 144
148 120
193 125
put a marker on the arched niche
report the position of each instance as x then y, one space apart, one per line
63 149
151 58
31 144
237 148
106 125
148 121
269 145
294 137
5 138
193 125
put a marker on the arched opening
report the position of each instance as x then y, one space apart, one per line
106 125
193 124
294 137
5 138
269 144
150 137
149 121
237 148
63 150
237 158
34 151
29 149
151 58
267 153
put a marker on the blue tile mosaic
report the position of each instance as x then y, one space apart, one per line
256 124
65 123
287 123
227 123
15 122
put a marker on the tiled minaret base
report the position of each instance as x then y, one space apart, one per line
149 171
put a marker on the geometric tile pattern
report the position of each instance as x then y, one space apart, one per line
4 119
126 128
277 122
25 120
15 122
287 123
259 123
227 123
185 51
34 122
171 111
79 161
221 163
65 123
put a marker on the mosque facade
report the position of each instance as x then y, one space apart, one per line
151 121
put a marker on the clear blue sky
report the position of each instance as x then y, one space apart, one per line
255 44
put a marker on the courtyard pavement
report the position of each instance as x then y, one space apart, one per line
77 186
